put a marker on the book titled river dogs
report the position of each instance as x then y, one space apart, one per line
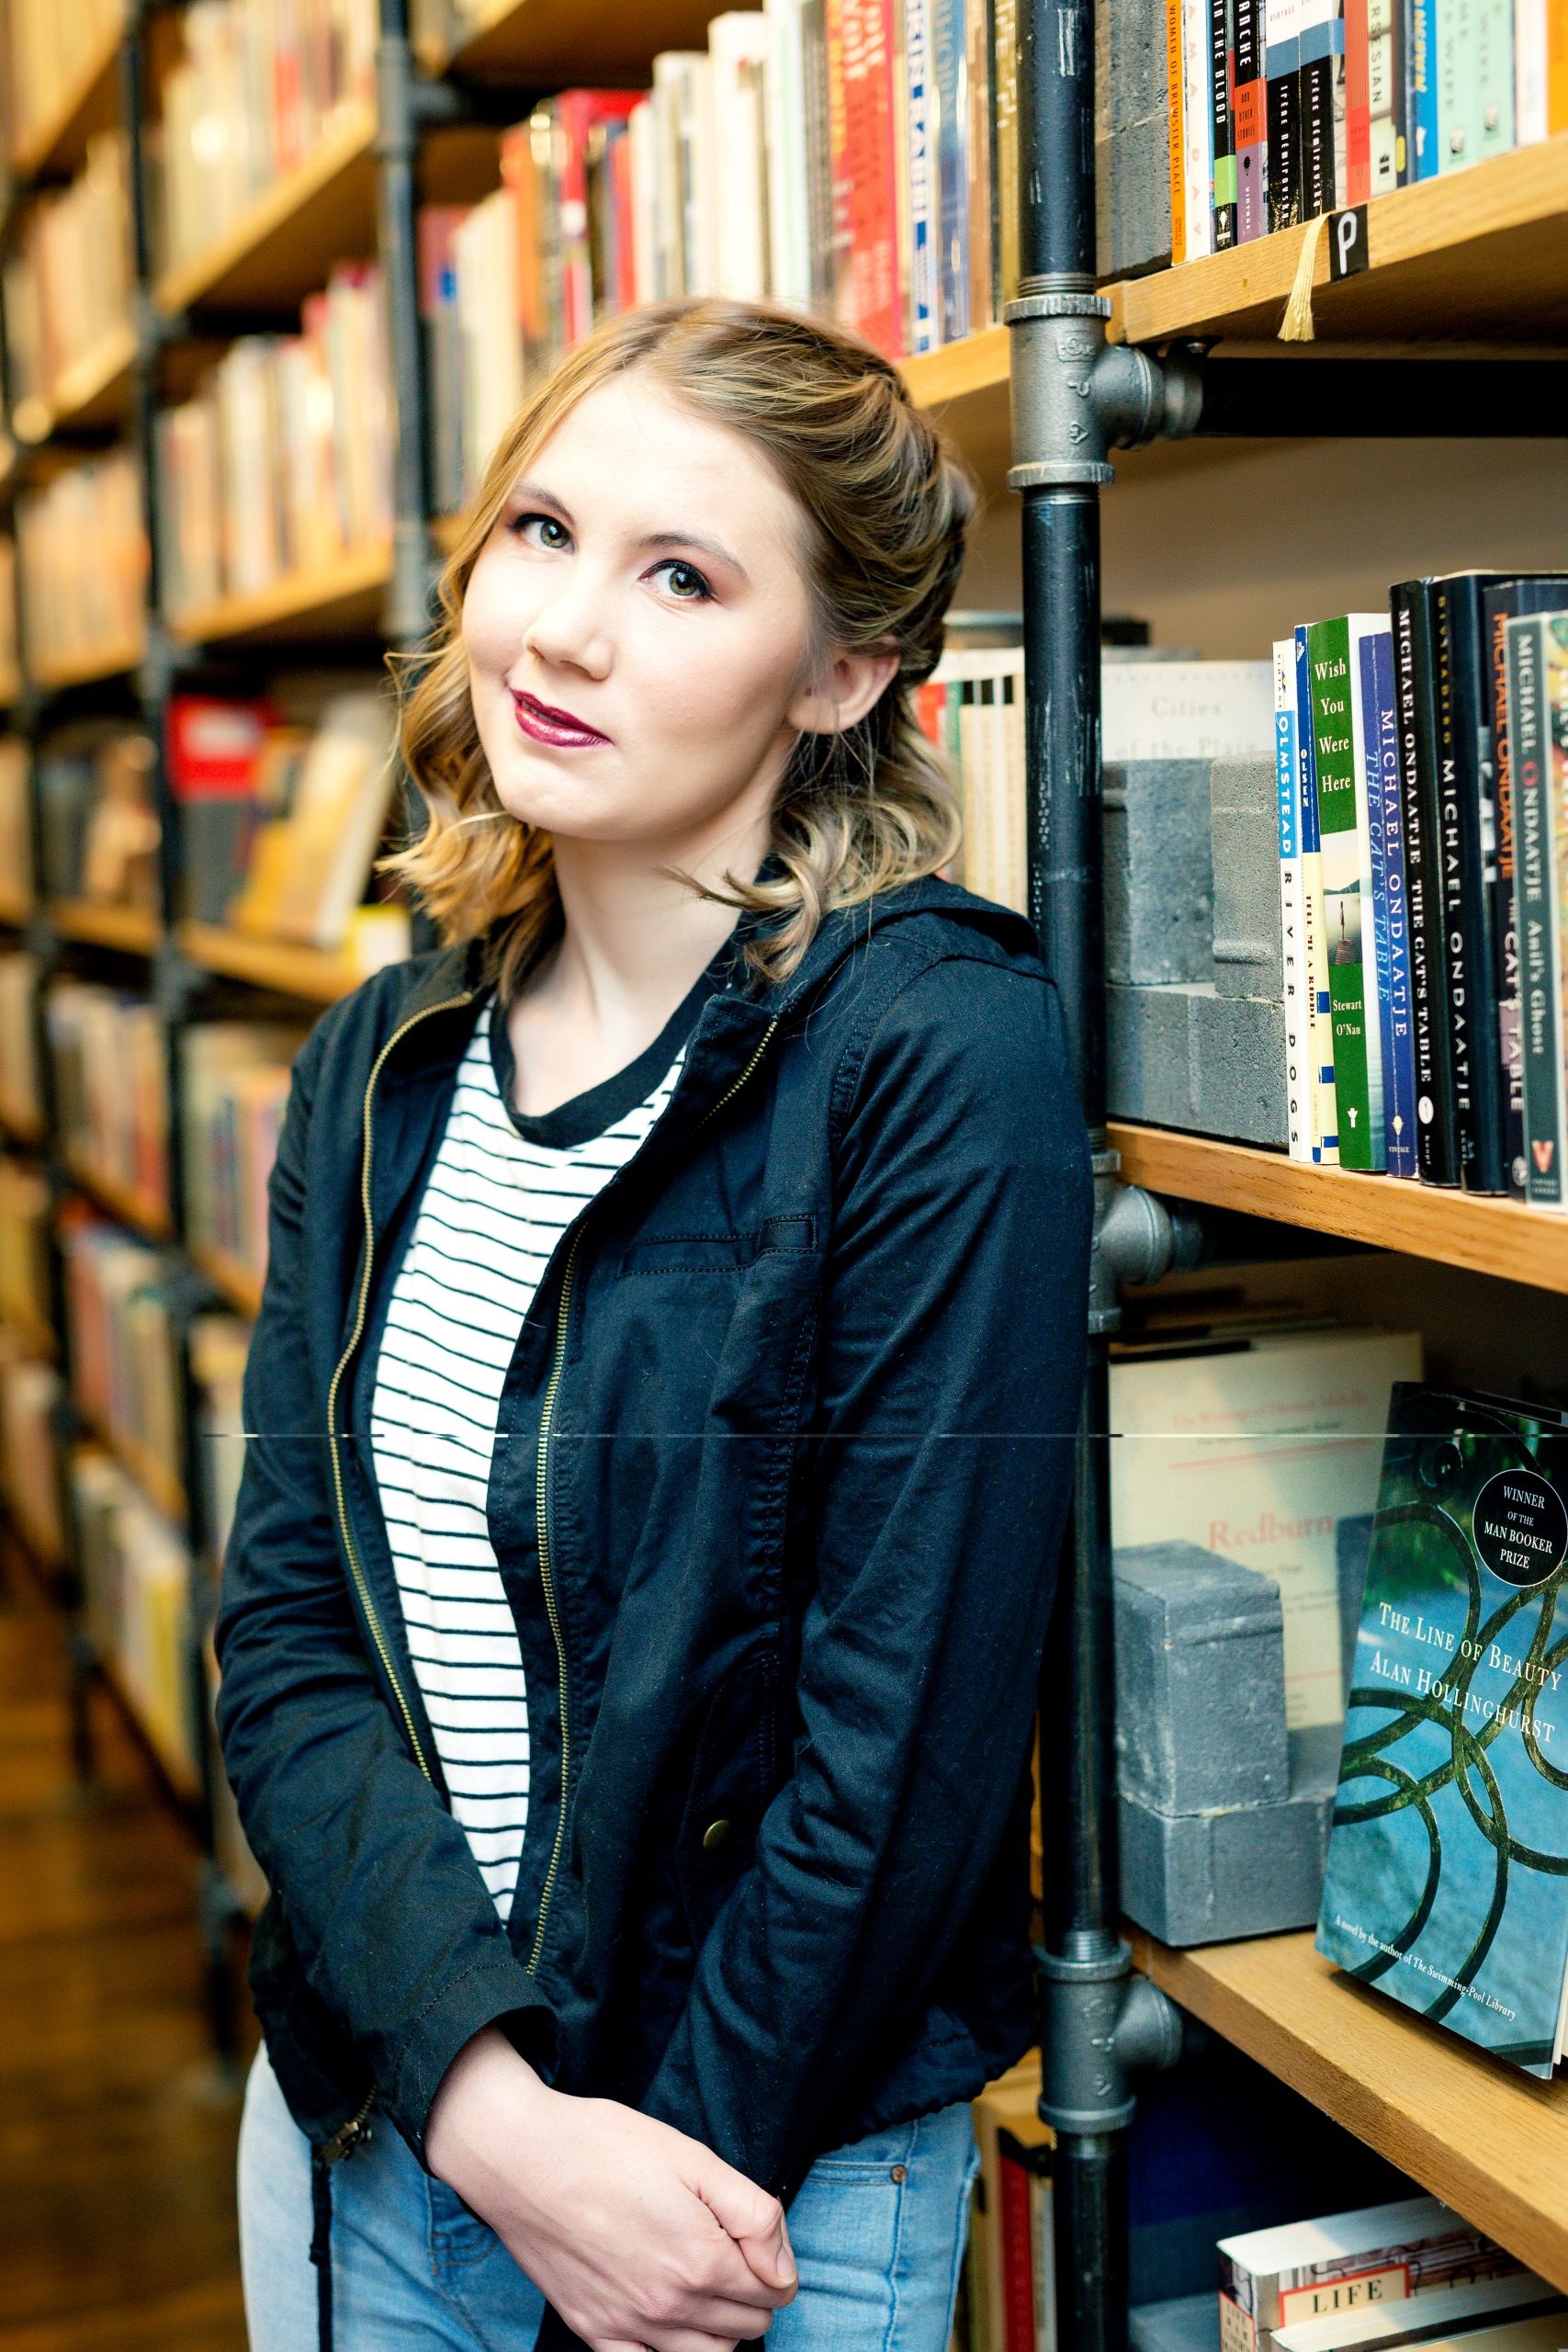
1446 1883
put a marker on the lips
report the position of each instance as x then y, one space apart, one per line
547 724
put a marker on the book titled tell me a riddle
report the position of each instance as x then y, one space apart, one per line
1446 1883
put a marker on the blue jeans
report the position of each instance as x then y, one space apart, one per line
877 2228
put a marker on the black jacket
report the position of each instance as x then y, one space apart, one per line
783 1458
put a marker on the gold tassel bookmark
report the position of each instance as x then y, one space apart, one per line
1296 326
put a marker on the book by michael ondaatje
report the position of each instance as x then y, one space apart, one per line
1448 1862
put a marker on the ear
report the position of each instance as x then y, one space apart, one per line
840 693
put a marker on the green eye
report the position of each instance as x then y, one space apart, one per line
685 581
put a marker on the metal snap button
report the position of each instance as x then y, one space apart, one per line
900 2171
716 1834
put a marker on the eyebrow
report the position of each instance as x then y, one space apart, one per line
534 494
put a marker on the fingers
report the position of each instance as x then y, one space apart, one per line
741 2209
771 2260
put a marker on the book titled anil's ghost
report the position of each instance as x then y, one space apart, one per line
1448 1860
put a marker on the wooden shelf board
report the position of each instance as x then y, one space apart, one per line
145 1215
1490 1237
1490 2141
345 597
236 1283
1482 251
87 669
966 385
134 930
550 42
15 911
283 245
60 140
311 973
93 390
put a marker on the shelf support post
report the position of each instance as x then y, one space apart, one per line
1074 398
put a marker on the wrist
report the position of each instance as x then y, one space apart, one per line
488 2094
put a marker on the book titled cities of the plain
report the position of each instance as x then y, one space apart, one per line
1446 1883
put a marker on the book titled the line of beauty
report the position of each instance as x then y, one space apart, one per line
1446 1883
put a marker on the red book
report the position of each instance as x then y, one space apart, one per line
576 113
862 165
1018 2259
1358 104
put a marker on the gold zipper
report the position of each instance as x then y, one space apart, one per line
541 1490
360 1584
347 2136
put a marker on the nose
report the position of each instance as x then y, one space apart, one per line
568 630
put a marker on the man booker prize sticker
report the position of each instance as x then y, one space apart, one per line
1521 1528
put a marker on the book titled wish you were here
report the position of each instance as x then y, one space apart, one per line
1446 1883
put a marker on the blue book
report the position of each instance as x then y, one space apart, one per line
1315 935
1421 79
1447 1885
949 83
923 212
1390 928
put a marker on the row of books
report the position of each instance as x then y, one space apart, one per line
107 1050
47 50
235 1083
1423 777
124 1345
1284 109
30 1472
98 825
82 549
136 1590
67 283
972 708
282 462
256 89
24 1250
21 1103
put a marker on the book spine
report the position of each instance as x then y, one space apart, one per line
1176 130
1399 1061
952 166
1282 67
1365 777
982 211
865 200
1531 111
1492 87
1298 1075
1468 849
923 318
1539 872
1421 83
1222 120
1436 1150
1320 1006
1018 2266
1199 109
819 110
1385 159
1320 103
1455 59
1358 102
1250 96
1005 96
1556 66
1497 609
1328 644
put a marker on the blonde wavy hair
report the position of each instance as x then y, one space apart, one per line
885 508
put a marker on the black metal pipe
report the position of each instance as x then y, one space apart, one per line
1056 108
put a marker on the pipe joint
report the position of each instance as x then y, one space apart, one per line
1076 396
1101 2025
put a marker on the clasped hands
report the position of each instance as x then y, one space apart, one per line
637 2235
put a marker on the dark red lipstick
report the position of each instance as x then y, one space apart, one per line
545 724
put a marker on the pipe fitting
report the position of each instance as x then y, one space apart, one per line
1075 396
1100 2026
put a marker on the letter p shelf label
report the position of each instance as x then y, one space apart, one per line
1348 242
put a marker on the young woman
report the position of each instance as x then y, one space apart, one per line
659 1424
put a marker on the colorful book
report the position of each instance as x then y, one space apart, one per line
1282 69
1338 739
1320 1004
1457 1906
1198 82
1436 1133
866 292
922 292
1251 111
1176 131
1287 769
1391 931
1421 89
1385 85
1221 120
1378 2256
1357 103
1537 658
1467 830
1320 105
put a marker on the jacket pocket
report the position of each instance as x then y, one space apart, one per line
728 1792
716 1253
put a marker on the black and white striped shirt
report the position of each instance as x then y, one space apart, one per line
500 1191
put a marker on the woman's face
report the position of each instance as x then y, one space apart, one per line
636 627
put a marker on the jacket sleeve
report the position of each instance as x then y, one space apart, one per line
937 1480
384 1902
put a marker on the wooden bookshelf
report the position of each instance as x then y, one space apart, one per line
311 973
1490 2141
87 104
87 669
234 1282
283 245
342 599
1477 253
177 1767
133 930
93 390
1488 1236
142 1212
552 43
139 1463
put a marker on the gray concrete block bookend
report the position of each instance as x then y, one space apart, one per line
1224 1815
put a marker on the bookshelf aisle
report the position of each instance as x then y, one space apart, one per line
296 291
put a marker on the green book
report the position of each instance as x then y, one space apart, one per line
1447 1885
1339 743
1537 681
